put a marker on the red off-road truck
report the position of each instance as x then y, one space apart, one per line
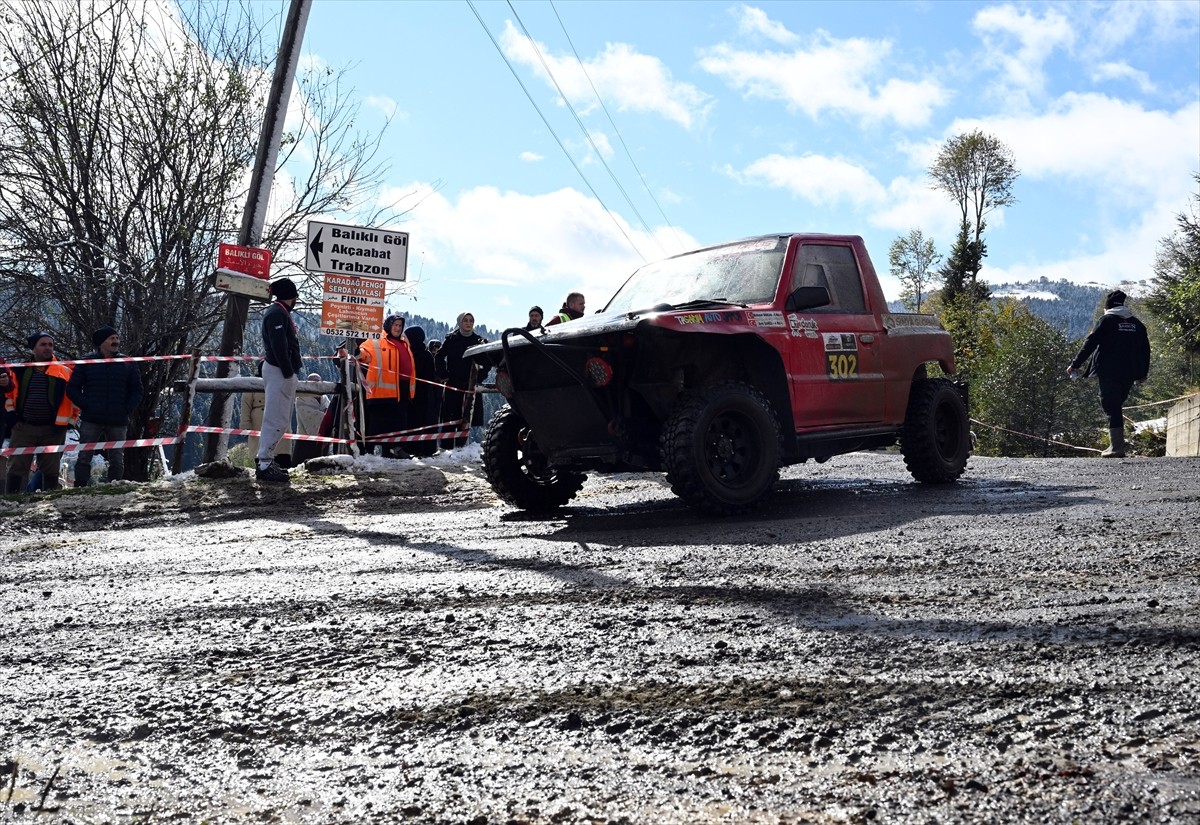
719 366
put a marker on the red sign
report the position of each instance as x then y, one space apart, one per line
249 260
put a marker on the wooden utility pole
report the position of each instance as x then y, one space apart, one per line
254 216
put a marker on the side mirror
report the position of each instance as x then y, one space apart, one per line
807 297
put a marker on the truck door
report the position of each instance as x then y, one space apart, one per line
837 369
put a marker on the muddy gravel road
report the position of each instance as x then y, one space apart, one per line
396 645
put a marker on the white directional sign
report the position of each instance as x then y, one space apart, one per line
338 249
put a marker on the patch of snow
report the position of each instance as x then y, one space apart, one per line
1019 294
1157 425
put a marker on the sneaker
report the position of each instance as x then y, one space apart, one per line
273 473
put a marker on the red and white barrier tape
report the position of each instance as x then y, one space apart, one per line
94 445
289 436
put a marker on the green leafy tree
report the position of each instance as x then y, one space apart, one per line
977 171
1176 294
1022 391
912 258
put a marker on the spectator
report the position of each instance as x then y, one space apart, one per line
106 395
426 401
390 379
37 395
535 319
572 308
1122 351
281 364
310 411
456 371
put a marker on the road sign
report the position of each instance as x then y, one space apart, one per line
356 250
352 307
249 260
240 283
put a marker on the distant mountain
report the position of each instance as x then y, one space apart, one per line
1069 307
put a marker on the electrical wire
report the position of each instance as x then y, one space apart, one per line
579 121
620 137
553 134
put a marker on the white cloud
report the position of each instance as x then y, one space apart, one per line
1123 71
815 178
548 243
911 203
1117 24
624 78
1129 154
584 149
831 75
754 21
383 103
530 157
1136 165
1017 43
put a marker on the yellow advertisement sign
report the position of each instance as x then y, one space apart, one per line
352 307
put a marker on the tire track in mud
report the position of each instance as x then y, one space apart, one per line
622 662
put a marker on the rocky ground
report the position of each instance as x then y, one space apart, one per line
393 644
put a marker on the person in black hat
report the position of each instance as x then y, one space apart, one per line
535 319
280 372
37 396
1122 356
106 395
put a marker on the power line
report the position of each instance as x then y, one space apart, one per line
582 128
553 134
620 137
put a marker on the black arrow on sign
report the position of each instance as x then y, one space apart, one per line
316 247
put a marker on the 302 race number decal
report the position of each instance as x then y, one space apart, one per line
841 365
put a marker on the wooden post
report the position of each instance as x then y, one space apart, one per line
185 415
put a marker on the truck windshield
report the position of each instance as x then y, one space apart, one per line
746 272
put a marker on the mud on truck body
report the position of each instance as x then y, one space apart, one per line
718 366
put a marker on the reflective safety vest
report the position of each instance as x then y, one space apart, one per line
58 374
387 364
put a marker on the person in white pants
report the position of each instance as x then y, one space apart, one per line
280 372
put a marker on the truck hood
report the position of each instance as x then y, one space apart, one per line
715 316
585 327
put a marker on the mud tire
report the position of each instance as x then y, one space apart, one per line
936 440
519 472
721 448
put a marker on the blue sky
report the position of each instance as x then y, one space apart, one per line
737 119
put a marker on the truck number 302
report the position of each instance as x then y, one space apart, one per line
842 365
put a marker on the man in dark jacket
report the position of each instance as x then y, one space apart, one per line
1122 351
106 394
280 371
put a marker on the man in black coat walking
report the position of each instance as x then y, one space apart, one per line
1122 351
106 395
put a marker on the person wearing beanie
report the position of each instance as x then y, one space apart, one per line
281 365
571 310
535 319
1121 350
106 394
390 381
456 371
36 395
